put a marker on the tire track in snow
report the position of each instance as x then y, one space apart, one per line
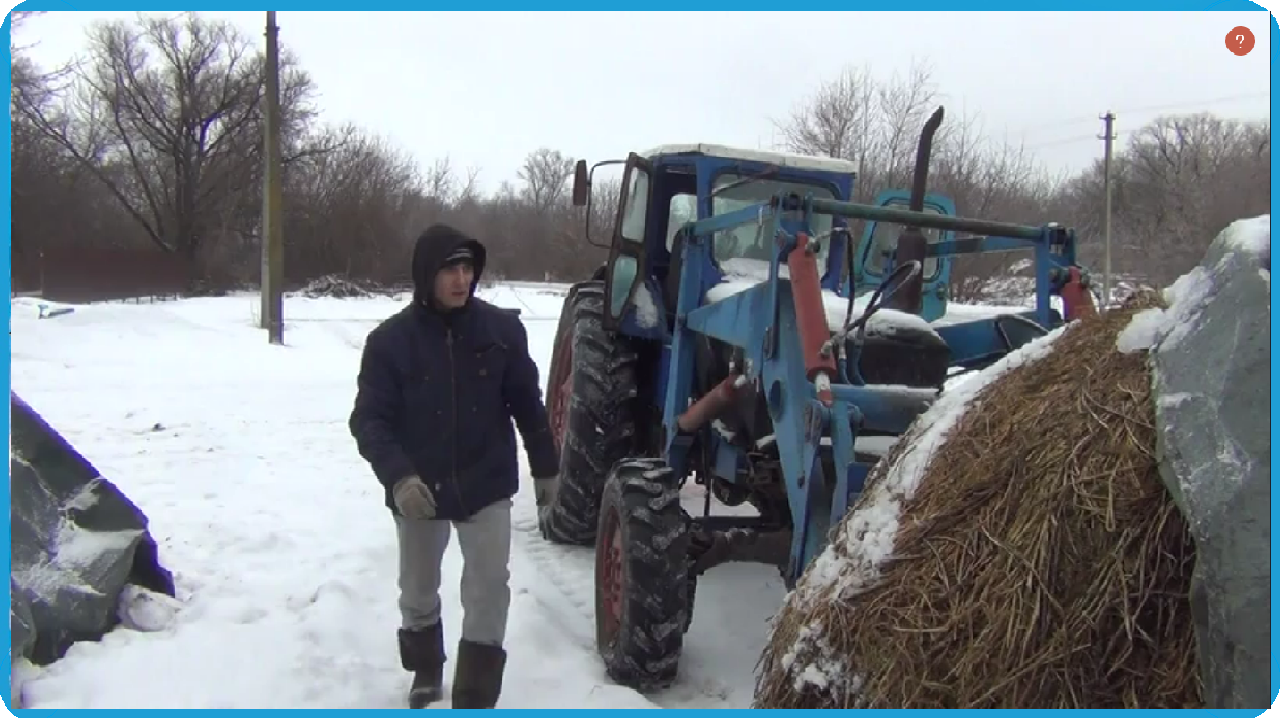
716 667
568 591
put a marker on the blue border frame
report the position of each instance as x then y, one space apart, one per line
917 5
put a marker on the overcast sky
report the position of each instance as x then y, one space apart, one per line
488 88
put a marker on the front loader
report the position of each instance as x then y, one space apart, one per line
736 336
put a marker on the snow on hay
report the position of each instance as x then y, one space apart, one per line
1017 550
1188 295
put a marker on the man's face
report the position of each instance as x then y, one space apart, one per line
453 284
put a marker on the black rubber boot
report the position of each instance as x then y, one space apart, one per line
422 652
478 680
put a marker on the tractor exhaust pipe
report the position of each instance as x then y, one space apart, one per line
912 244
924 149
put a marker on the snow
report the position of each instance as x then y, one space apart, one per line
1252 235
783 159
1186 297
960 313
143 610
824 668
79 547
743 274
646 309
841 572
283 552
1141 332
877 445
1191 292
73 550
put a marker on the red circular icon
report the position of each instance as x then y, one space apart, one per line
1240 40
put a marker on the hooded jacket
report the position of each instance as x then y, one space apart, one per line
437 393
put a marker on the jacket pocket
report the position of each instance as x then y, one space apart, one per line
488 367
482 411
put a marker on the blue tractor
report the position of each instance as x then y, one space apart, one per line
738 337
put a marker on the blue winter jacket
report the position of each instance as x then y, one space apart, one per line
437 394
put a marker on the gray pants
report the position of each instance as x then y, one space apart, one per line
486 549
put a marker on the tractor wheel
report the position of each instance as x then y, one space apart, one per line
642 575
591 390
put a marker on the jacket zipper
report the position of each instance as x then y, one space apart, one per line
453 399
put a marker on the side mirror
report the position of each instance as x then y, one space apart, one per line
581 184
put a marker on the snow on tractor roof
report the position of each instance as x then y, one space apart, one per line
782 159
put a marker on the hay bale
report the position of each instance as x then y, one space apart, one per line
1016 550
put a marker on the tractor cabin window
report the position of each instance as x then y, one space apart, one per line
624 271
682 210
633 216
747 241
884 240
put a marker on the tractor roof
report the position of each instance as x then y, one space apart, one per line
782 159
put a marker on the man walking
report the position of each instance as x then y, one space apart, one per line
440 383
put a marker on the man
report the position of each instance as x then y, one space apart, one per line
439 384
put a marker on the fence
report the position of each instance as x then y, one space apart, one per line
101 274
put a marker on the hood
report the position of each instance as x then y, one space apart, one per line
430 251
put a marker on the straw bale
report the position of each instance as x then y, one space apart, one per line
1017 549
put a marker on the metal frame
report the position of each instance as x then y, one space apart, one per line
763 323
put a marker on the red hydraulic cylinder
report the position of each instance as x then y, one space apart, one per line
1077 302
710 405
811 316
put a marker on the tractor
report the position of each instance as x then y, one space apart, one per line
737 336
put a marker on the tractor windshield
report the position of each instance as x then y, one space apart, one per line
747 241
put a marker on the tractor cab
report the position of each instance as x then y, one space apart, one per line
670 186
873 259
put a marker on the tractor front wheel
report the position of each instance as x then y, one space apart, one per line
591 396
642 575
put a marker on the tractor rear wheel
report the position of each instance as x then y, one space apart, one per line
591 393
642 575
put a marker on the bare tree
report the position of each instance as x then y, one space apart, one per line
147 153
1178 181
872 122
876 123
545 174
441 184
349 207
166 115
836 120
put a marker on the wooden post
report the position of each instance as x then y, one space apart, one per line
272 240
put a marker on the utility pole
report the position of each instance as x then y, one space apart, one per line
1107 138
272 241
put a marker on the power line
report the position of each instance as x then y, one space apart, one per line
1076 139
1189 105
1062 141
1200 104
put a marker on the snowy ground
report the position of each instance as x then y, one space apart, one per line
275 529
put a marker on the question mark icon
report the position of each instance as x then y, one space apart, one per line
1240 41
